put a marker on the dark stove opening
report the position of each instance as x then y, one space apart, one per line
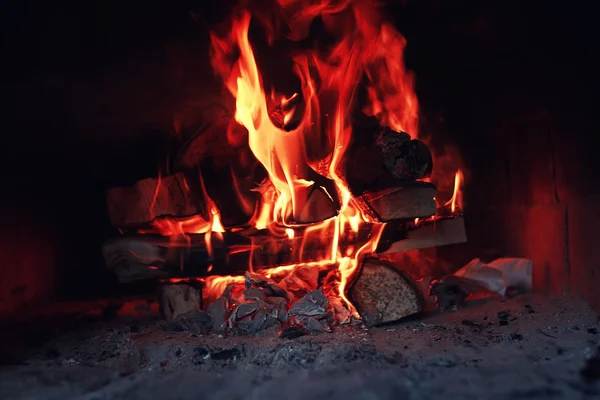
95 88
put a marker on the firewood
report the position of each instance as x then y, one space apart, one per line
173 195
178 298
150 257
216 148
405 158
379 158
413 200
319 206
134 259
381 293
435 233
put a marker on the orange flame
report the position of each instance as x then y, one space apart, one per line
312 131
455 202
367 47
177 228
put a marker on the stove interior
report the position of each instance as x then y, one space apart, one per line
259 190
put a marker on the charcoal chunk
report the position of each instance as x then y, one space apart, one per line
311 312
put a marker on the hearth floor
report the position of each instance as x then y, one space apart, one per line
530 347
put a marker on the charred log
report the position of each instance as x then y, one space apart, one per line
319 206
155 257
403 157
413 200
379 158
381 293
169 196
160 257
232 175
218 153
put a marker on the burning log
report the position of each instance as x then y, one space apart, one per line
404 158
159 257
414 200
382 293
318 207
153 197
219 153
178 298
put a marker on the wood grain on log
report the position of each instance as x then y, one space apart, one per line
430 234
405 158
382 293
177 298
172 195
413 200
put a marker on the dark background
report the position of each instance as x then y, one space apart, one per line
93 88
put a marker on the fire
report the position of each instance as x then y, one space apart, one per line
367 47
182 226
455 203
368 51
217 284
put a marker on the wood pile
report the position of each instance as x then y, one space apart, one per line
383 169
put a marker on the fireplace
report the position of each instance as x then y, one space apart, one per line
212 190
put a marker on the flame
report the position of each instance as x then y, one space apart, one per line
368 47
301 138
455 202
215 285
180 228
156 192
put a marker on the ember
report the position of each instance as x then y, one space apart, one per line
341 179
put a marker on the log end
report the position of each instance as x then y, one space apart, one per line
382 293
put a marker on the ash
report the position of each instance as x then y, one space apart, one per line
260 303
529 347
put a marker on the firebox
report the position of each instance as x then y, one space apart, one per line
310 186
299 198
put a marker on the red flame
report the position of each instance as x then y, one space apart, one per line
366 47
